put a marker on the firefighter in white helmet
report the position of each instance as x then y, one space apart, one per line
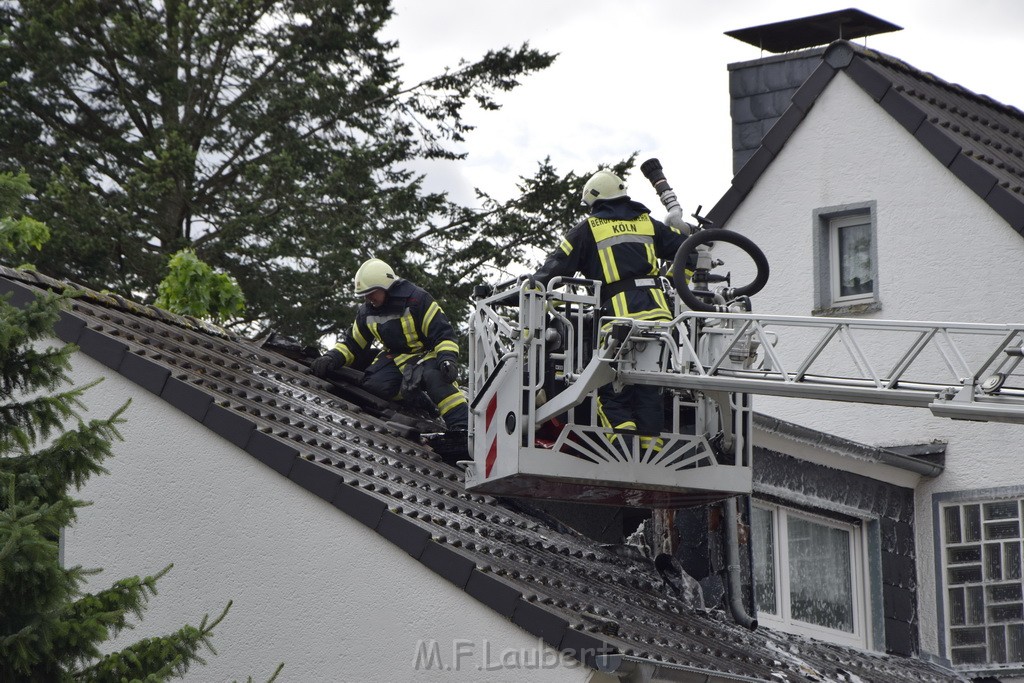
620 245
418 343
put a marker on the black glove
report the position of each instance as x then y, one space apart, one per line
329 362
449 370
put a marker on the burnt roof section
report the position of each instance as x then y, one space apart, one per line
980 140
575 594
820 29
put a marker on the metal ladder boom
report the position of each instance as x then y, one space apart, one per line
957 370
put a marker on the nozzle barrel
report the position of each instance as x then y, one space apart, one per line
653 172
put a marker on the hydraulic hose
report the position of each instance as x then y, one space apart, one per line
717 235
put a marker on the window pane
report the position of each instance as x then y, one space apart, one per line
1011 557
971 655
997 644
952 524
971 553
1015 643
965 575
975 605
1002 530
968 636
957 611
820 582
764 559
1002 510
993 561
1006 592
972 523
1002 613
854 243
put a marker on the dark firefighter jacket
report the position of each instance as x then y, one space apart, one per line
408 325
620 245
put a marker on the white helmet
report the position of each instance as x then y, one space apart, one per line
603 185
374 274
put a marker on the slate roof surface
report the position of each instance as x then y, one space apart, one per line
556 584
978 139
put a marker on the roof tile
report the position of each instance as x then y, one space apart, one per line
973 174
496 594
447 563
274 453
186 397
903 109
808 93
547 579
404 533
870 80
105 349
149 375
540 622
230 424
941 145
315 477
69 327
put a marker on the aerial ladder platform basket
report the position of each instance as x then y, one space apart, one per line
538 355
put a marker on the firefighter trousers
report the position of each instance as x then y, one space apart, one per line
385 379
636 408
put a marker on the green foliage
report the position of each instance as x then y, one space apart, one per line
272 138
20 235
49 629
193 288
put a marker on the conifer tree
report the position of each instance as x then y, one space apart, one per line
50 629
277 140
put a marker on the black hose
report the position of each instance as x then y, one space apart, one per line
717 235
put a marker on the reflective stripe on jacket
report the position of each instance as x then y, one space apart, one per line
409 324
618 241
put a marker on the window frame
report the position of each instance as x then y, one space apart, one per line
944 568
827 221
835 224
861 636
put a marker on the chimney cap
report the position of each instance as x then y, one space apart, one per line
820 29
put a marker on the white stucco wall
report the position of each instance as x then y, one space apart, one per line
311 587
943 254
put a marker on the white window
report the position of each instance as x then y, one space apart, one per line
809 575
850 259
846 260
981 562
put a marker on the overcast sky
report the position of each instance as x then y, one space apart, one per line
650 76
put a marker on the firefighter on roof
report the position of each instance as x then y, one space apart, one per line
620 245
419 343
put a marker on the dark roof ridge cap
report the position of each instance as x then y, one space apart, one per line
116 301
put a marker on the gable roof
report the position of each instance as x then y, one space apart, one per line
980 140
578 596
